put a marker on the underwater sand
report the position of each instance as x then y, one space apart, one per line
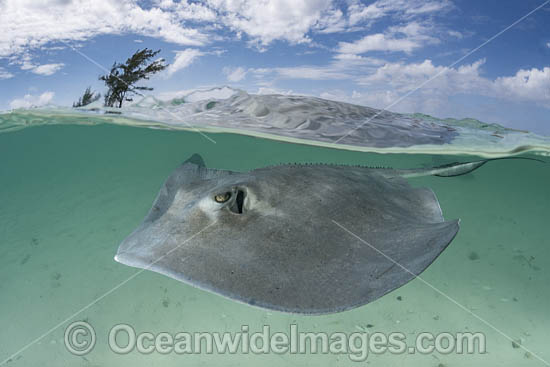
70 194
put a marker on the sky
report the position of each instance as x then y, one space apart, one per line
446 58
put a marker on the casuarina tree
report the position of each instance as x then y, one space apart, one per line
87 98
123 78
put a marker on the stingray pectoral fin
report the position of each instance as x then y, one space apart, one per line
387 262
348 271
417 248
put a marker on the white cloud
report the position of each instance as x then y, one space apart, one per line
30 100
526 85
183 59
417 32
312 72
31 24
343 67
300 72
266 21
378 42
403 77
187 10
27 25
4 74
398 38
393 80
404 9
47 69
332 21
432 85
291 20
235 75
357 59
455 34
27 65
548 44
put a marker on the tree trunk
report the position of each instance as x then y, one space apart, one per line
121 100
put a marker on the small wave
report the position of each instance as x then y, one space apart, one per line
301 119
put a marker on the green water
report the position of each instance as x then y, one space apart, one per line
70 194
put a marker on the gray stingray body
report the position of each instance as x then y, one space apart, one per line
274 237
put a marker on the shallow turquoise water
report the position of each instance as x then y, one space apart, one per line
70 194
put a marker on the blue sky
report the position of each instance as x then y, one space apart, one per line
365 52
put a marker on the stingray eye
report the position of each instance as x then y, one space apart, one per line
222 198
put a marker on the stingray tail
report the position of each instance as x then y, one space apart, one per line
450 169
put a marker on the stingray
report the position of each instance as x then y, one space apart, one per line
310 239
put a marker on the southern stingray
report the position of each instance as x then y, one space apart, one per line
281 238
